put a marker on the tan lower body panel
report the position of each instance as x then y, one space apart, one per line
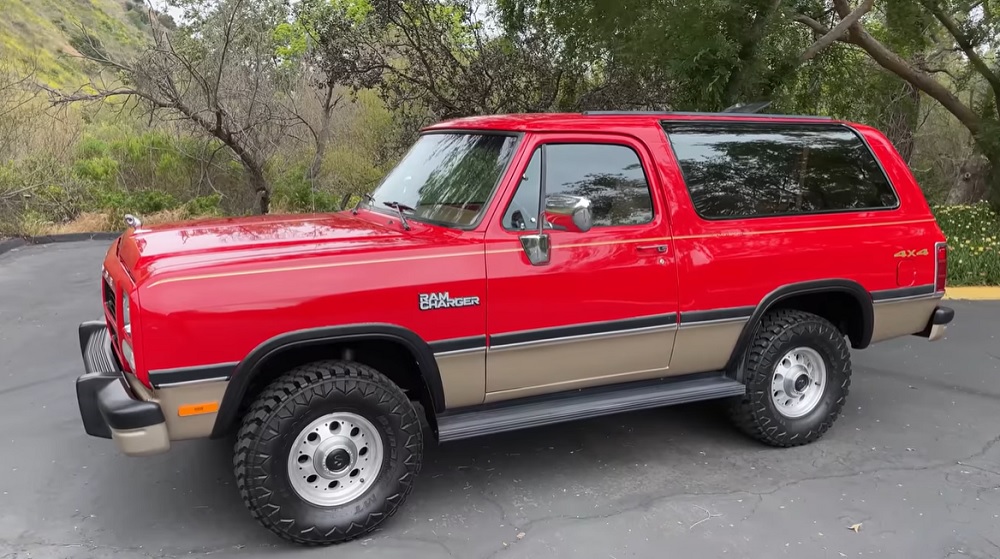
463 377
171 398
902 317
549 366
937 332
142 442
543 367
705 346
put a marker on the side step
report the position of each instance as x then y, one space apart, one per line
582 404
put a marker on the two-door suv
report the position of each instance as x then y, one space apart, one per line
515 271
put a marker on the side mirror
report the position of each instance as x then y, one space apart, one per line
571 213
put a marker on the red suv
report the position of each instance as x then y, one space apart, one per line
515 271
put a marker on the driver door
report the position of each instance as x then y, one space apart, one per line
571 306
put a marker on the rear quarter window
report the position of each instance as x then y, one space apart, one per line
738 170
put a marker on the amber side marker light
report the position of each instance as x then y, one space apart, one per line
197 409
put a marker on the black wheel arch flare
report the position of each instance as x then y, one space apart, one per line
849 287
251 365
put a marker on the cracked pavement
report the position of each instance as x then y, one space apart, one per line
915 459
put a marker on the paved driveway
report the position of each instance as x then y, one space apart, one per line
914 461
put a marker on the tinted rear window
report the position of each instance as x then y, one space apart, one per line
738 170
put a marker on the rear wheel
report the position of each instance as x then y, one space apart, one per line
327 452
797 373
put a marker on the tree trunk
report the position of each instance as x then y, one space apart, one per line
747 53
323 136
993 183
903 116
317 162
259 185
972 182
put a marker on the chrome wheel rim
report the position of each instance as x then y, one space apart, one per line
798 382
335 459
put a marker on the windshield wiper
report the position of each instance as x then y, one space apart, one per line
361 200
399 210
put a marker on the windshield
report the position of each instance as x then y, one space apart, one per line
446 178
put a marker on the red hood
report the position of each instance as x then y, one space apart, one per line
202 242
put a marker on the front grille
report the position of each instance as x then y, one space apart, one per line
109 296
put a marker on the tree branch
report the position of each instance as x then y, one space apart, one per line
839 31
811 23
966 45
921 80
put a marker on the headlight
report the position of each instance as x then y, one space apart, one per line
129 356
126 317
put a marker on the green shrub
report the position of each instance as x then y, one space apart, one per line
100 170
204 206
973 233
91 147
293 193
117 203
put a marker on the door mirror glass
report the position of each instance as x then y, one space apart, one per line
569 213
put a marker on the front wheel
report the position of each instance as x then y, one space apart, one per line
327 452
797 374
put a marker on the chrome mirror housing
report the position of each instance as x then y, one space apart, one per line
536 247
572 213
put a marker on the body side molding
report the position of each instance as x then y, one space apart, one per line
903 293
609 327
250 365
161 378
850 287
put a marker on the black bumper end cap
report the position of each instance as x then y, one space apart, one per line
87 389
106 404
105 400
942 315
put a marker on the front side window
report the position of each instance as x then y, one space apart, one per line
446 178
609 175
735 170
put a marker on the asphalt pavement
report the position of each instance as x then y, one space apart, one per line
913 464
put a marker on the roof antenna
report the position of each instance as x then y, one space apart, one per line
748 108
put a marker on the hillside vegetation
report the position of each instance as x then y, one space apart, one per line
252 106
52 35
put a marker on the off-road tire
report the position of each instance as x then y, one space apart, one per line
292 402
780 331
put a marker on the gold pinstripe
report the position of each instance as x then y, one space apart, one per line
732 234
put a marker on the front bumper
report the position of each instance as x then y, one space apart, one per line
938 323
108 406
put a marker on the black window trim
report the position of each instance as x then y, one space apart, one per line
540 146
667 123
519 139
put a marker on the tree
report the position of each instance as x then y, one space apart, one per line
440 59
968 28
324 44
702 55
217 72
16 95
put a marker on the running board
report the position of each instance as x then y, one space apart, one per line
583 404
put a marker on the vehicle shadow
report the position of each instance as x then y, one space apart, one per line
508 477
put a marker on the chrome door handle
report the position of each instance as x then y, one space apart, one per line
657 248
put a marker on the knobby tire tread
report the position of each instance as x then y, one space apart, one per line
751 413
299 386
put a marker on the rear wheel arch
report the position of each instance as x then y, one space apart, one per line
845 303
401 354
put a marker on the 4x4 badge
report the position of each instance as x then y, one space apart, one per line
442 300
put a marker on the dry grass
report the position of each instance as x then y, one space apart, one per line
92 222
87 222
